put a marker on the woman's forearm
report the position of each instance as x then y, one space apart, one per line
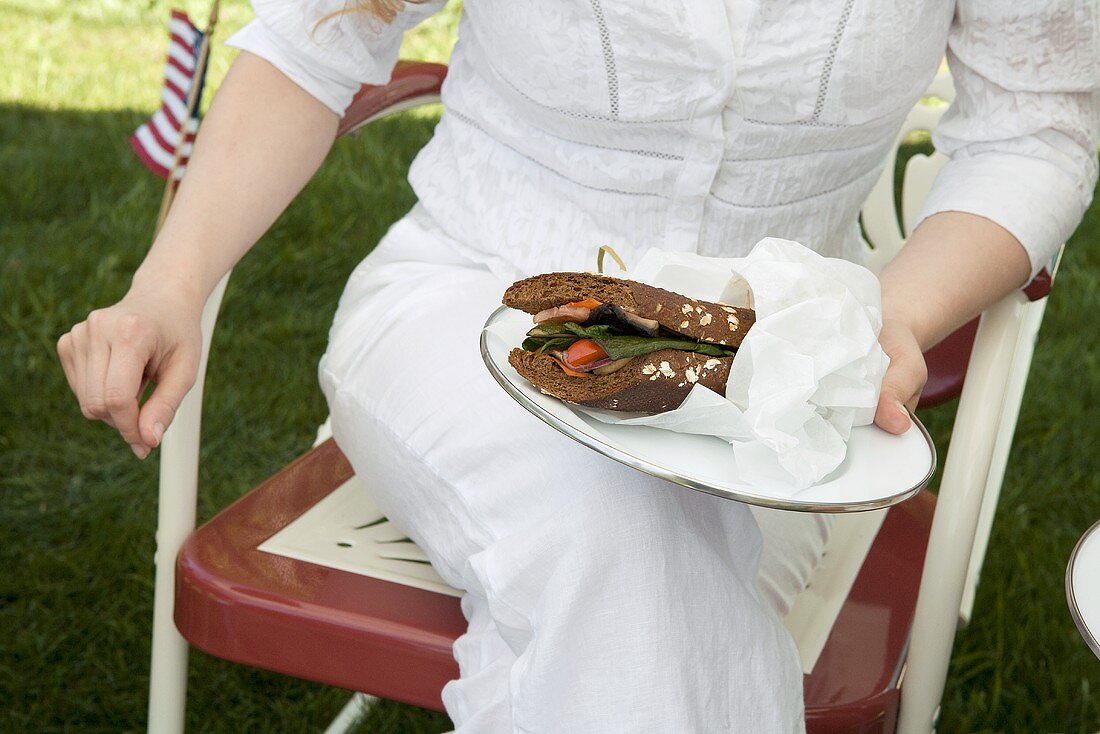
953 267
262 140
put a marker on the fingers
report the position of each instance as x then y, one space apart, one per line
891 415
65 355
175 378
79 340
121 391
904 380
104 360
97 357
72 362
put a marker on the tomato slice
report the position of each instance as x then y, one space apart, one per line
571 373
589 303
584 351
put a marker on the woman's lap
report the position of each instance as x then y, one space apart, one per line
534 526
404 368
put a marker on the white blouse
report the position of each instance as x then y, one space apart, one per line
704 125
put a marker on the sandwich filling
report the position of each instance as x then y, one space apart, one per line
591 338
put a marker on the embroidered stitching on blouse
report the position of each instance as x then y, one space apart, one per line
795 201
634 151
827 72
574 113
608 60
469 121
846 149
814 119
797 123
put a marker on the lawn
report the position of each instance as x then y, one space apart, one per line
77 510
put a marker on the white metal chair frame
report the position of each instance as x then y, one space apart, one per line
969 490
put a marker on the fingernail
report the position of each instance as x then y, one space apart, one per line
904 412
158 431
139 451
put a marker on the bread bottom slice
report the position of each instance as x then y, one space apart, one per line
652 383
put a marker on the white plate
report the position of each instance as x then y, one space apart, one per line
880 469
1083 587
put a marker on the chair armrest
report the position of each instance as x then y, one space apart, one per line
413 83
177 495
1040 285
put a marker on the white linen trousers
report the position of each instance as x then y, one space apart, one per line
599 599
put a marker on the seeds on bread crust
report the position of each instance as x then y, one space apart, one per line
651 383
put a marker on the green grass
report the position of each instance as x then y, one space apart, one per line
77 510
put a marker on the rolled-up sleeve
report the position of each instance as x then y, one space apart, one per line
327 52
1023 129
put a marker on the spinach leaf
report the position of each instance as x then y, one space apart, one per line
542 344
620 347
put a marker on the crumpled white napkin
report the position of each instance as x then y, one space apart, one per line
807 372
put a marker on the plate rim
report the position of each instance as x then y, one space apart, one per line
648 467
1071 595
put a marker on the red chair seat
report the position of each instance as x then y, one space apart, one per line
412 83
241 604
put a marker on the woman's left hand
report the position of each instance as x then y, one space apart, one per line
905 378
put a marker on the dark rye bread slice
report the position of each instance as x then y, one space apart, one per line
652 383
707 322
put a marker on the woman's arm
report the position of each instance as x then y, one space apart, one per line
954 266
262 140
1021 135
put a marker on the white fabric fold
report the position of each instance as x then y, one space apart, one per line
328 86
327 47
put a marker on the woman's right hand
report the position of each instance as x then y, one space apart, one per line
111 356
259 143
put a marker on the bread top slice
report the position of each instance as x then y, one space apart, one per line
715 323
651 383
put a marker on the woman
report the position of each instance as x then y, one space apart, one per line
598 599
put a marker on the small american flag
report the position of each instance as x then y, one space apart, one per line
155 142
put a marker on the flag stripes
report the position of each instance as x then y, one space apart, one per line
155 141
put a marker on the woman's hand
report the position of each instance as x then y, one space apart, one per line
261 140
905 378
110 357
954 266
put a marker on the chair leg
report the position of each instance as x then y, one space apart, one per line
965 475
353 712
1014 396
175 520
167 678
178 492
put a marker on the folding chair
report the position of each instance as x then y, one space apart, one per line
302 576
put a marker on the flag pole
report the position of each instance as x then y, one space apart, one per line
185 125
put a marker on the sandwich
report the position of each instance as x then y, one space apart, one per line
620 345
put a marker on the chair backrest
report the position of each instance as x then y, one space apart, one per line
886 221
984 426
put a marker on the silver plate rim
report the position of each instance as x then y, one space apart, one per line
1071 596
647 467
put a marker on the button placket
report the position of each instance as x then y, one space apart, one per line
704 152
